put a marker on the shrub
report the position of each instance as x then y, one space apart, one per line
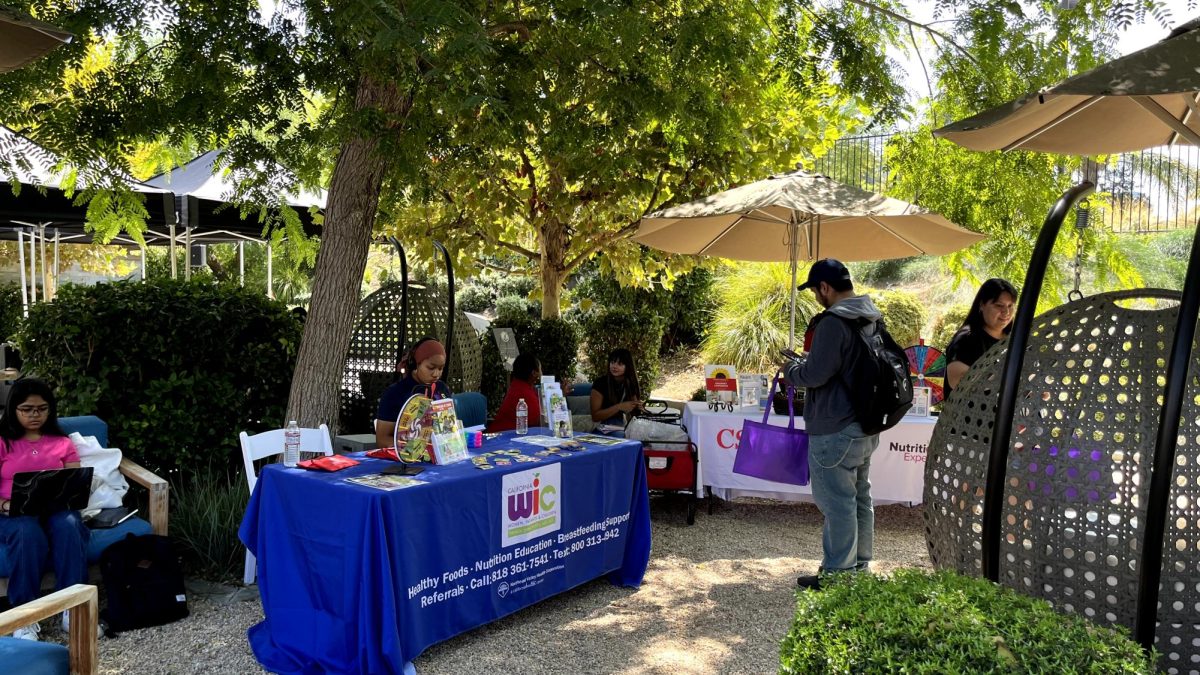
556 344
474 299
686 308
750 324
515 284
206 511
903 313
10 310
638 331
945 623
511 308
700 394
176 368
948 324
554 341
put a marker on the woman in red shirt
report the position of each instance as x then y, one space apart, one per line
31 440
526 372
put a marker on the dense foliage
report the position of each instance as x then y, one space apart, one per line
176 368
903 314
686 306
630 328
10 310
916 622
554 341
750 324
947 324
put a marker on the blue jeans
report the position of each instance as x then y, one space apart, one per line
838 467
29 541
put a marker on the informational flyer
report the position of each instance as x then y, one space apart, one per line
383 481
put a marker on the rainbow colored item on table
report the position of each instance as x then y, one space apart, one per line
927 365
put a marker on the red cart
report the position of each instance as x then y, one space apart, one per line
671 465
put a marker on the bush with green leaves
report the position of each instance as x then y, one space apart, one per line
474 298
176 368
686 308
638 331
10 310
206 512
515 284
750 323
510 308
948 324
916 622
554 341
903 313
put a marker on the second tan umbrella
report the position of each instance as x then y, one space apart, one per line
801 216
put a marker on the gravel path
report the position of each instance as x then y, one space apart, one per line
717 598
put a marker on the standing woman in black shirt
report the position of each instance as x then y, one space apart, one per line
988 321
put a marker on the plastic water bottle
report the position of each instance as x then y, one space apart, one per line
291 444
522 417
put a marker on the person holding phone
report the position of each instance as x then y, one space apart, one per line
617 394
31 440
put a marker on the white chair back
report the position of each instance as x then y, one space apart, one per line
268 444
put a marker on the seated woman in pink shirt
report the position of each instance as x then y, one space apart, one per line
31 440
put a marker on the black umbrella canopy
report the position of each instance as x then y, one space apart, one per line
205 193
42 199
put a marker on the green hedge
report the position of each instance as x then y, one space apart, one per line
554 341
10 310
176 368
638 331
903 313
914 622
948 324
686 308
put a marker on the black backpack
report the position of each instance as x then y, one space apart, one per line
880 386
144 583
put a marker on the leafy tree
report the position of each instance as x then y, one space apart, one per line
1003 51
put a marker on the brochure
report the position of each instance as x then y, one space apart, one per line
543 441
596 439
381 481
750 391
921 398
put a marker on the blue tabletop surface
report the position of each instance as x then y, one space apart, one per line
355 579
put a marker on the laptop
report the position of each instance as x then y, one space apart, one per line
42 493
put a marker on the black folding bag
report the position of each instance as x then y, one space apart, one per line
144 583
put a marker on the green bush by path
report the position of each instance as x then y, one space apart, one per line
176 368
474 298
914 622
903 313
750 323
686 309
10 310
638 331
948 324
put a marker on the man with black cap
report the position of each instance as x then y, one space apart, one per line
839 452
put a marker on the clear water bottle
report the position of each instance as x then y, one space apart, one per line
291 444
522 417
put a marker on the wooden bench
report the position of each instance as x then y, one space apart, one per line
80 601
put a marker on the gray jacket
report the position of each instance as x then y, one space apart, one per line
827 405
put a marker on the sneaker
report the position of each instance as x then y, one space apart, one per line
29 632
66 622
809 582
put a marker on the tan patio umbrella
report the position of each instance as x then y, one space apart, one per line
24 39
801 216
1146 99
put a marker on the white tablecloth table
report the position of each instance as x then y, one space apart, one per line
897 467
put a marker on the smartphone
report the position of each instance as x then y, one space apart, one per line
791 355
403 470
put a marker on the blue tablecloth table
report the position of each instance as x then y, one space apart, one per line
355 579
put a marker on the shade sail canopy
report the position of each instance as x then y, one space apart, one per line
1145 99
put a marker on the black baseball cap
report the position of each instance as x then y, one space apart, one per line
827 270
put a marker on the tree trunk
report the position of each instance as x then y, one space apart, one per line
337 281
552 238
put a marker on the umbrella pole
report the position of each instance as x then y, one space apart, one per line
270 258
21 264
143 264
32 265
45 271
56 266
174 270
241 264
793 237
187 253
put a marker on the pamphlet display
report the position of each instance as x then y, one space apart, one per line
449 444
751 389
921 401
506 342
720 387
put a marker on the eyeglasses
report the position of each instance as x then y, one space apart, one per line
31 411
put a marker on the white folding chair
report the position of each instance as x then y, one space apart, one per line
270 443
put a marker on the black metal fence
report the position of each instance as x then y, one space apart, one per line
1139 192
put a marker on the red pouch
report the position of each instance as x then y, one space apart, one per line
330 463
384 453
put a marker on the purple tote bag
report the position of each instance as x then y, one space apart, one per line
774 453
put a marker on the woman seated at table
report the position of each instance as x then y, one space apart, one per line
422 368
31 440
616 395
988 321
526 372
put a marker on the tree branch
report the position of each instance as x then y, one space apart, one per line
928 83
601 242
534 198
658 181
916 24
